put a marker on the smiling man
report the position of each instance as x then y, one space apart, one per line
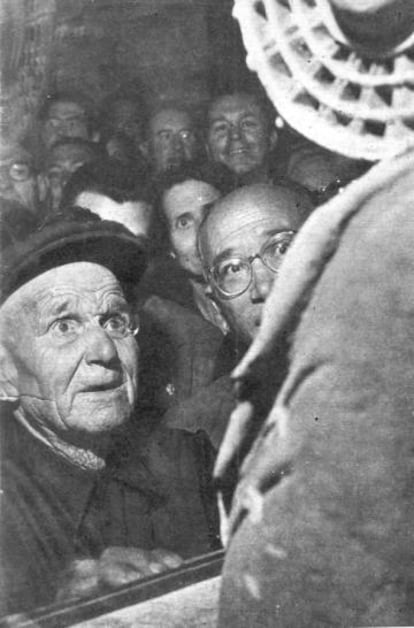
240 135
242 243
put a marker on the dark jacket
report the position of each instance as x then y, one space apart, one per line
154 492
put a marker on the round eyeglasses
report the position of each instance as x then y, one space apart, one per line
232 276
117 326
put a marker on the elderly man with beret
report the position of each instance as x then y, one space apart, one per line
78 517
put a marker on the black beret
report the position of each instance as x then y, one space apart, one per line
78 236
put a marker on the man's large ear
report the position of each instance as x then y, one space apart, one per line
8 376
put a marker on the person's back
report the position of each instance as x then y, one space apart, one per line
328 487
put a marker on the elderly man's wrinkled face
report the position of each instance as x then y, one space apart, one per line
242 245
172 139
65 119
69 336
18 181
238 134
184 207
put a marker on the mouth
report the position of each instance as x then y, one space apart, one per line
104 386
238 151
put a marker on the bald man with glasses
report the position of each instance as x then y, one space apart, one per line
242 242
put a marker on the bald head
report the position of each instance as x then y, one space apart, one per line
283 207
242 242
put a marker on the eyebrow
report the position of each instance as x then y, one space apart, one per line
183 214
230 252
57 308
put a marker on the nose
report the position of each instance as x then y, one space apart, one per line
100 348
262 281
177 144
235 133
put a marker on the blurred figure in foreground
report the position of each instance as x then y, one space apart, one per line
320 528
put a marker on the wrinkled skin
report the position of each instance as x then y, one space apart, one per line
73 381
68 385
328 485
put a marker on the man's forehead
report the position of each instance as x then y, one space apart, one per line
237 104
170 118
230 224
81 279
190 191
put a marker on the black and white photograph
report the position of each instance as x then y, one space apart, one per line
206 313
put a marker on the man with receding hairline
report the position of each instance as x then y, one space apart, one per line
242 242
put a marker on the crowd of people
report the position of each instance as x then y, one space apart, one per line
113 224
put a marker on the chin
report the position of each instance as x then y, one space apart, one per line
100 412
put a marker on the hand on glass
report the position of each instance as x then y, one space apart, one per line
116 566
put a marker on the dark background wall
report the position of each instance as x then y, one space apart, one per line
169 50
183 50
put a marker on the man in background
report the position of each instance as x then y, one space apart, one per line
171 140
241 135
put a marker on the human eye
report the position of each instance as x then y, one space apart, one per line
117 324
219 128
184 221
278 246
65 328
165 136
250 123
233 267
229 270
